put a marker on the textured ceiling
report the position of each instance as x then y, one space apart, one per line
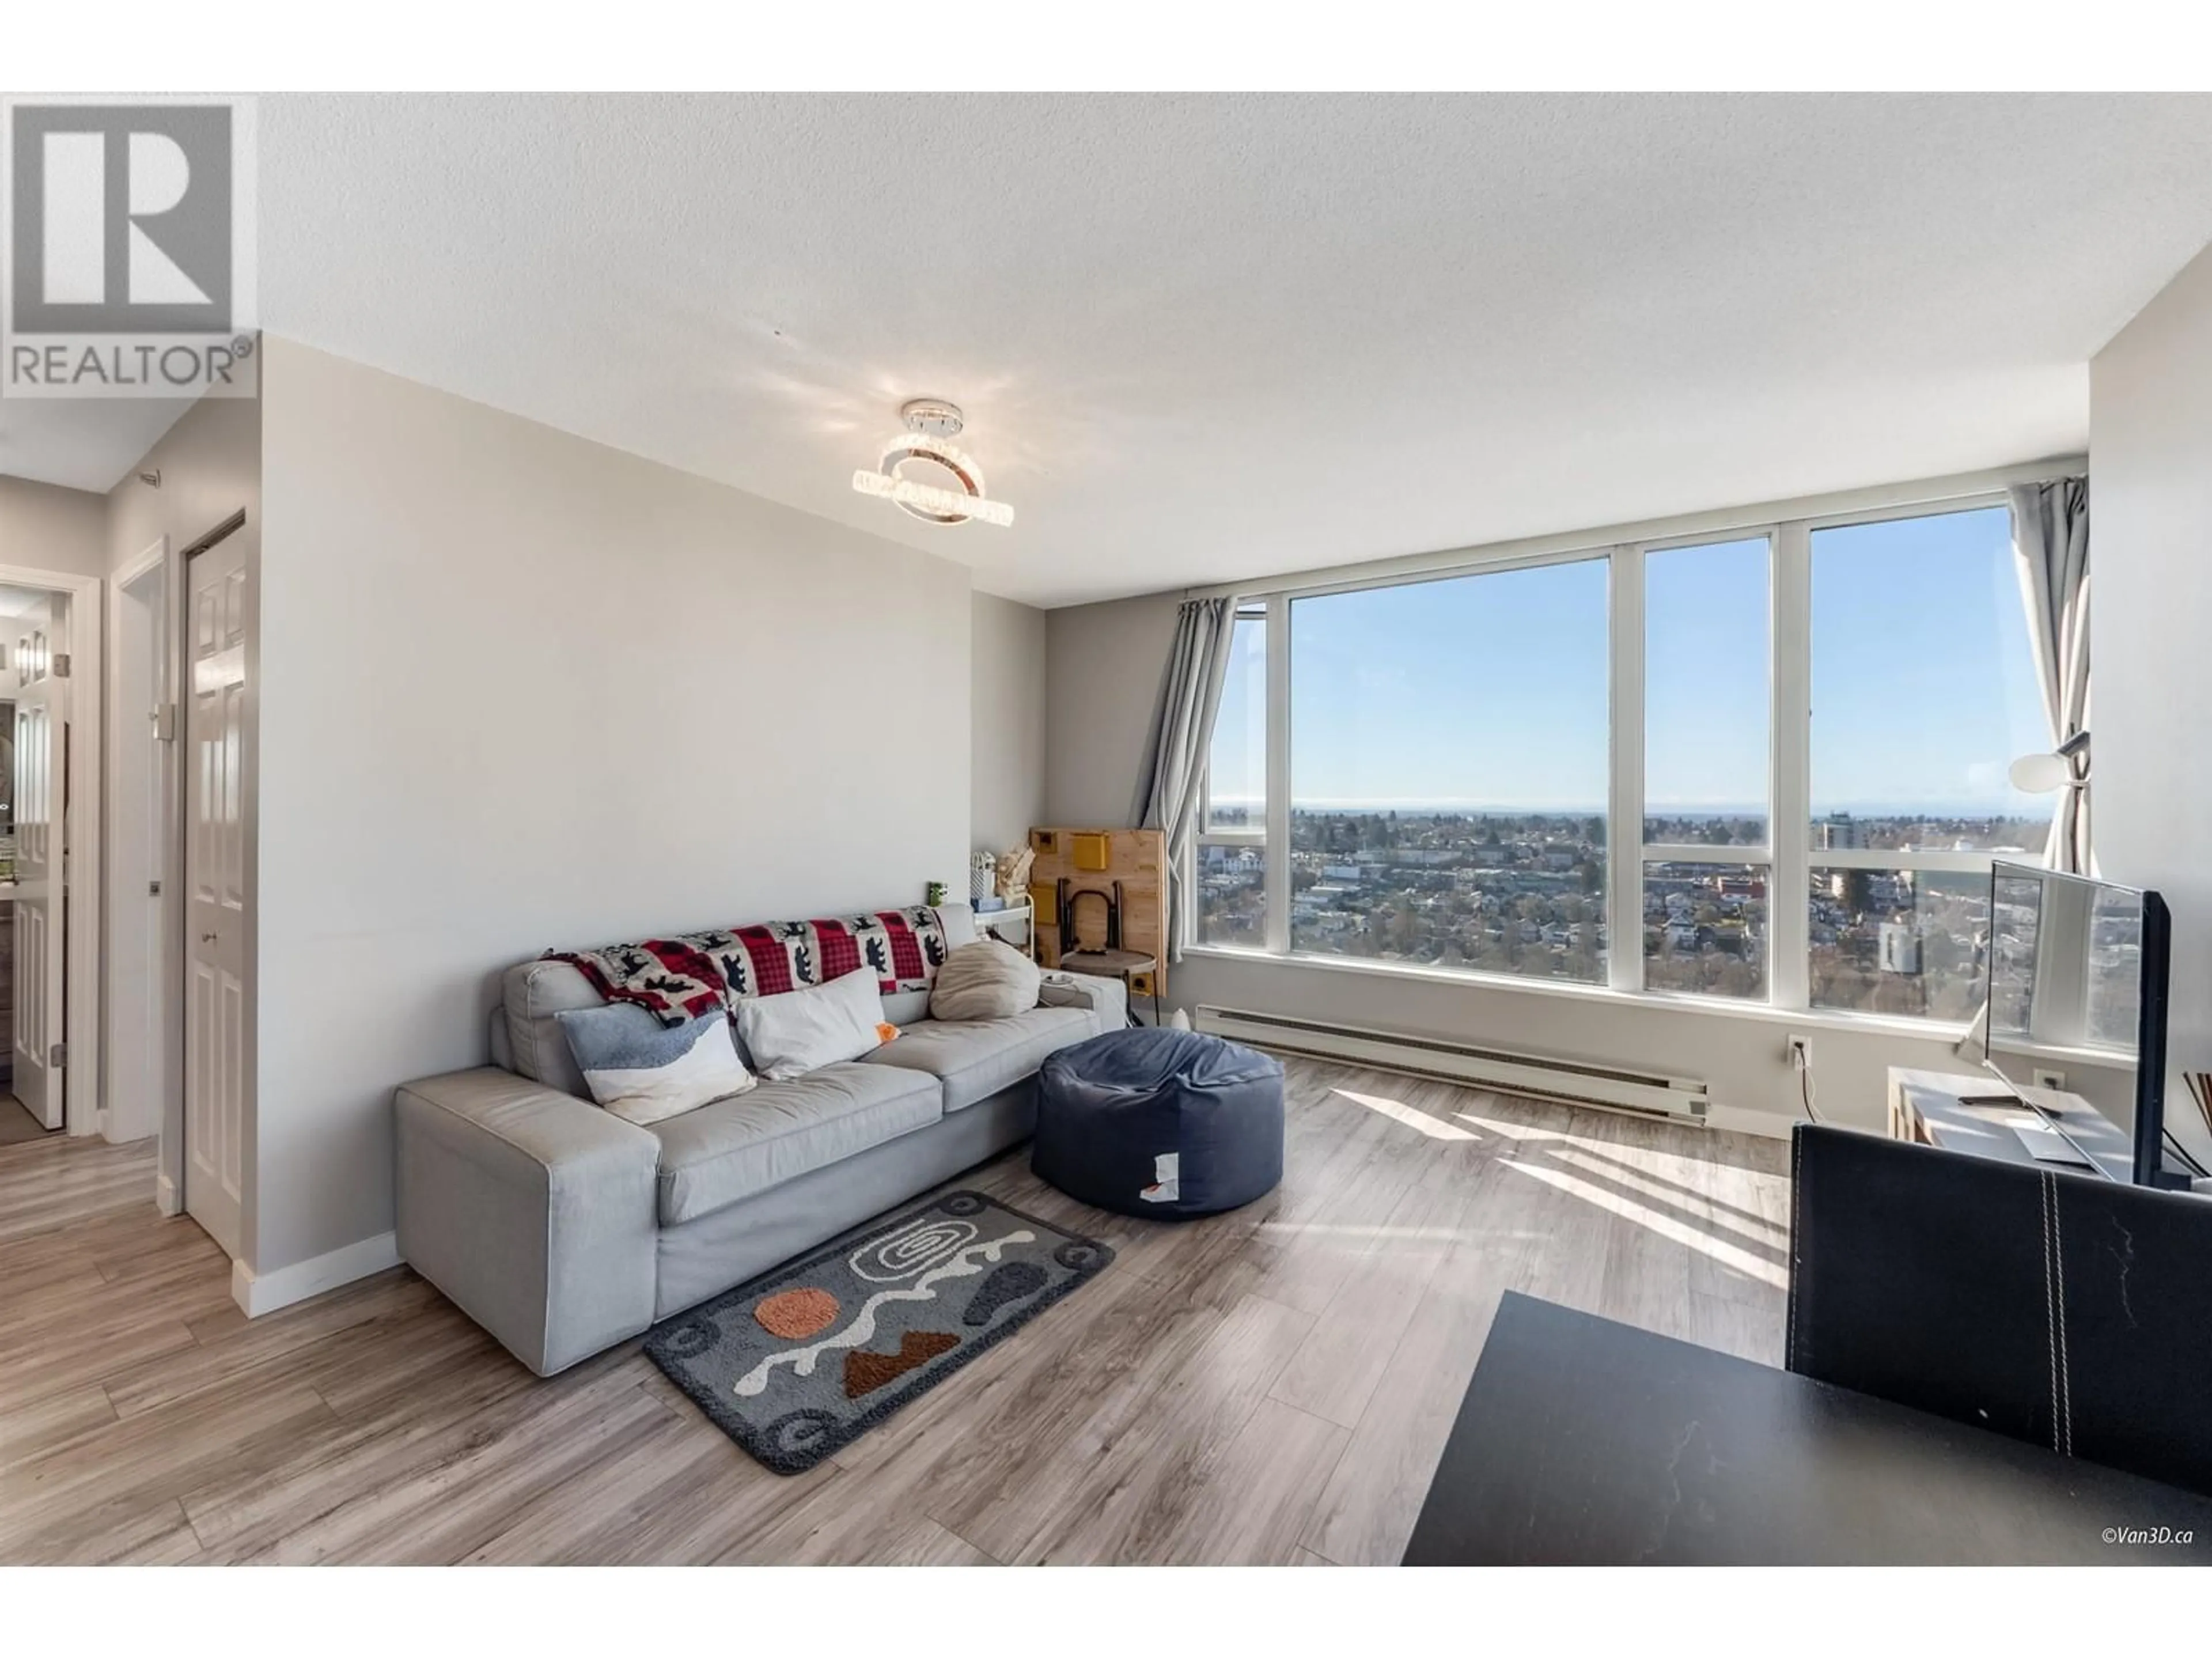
84 443
1201 338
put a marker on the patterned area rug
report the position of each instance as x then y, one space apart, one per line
808 1358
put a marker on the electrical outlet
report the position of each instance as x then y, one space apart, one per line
2047 1077
1799 1051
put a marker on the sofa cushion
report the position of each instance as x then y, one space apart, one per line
724 1153
535 994
976 1058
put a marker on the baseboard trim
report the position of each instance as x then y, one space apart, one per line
259 1293
165 1196
1776 1125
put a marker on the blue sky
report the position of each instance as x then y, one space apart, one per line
1490 692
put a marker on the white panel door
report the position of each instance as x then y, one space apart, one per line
215 893
41 727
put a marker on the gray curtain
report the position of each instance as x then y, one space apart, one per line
1170 785
2051 552
2050 548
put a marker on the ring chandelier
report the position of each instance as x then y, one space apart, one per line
931 424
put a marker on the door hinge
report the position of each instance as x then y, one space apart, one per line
61 665
57 1055
165 722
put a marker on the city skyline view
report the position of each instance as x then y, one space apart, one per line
1524 895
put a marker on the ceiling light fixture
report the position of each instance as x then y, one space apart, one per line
930 425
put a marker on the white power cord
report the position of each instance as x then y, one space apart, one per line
1800 1059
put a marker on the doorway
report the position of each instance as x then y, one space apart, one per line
180 942
50 854
219 601
142 1059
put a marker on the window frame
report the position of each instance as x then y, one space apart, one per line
1279 749
1630 681
1788 855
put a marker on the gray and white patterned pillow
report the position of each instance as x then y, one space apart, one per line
642 1071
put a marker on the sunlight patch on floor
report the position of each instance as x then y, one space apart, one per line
1668 1227
1507 1130
1436 1128
1757 1230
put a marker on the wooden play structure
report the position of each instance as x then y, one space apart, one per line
1101 901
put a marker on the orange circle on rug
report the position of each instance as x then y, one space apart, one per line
791 1314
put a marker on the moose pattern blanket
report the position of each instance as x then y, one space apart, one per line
683 976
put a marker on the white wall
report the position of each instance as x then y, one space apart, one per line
2150 530
1007 702
43 527
1105 665
210 467
521 691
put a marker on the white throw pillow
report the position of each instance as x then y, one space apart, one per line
987 980
794 1032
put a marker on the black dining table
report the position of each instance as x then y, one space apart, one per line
1582 1441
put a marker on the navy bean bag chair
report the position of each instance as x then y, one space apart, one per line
1158 1122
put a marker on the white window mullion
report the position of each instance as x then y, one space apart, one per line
1705 853
1279 773
1624 835
1789 797
1935 860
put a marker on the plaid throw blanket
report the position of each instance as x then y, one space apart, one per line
683 977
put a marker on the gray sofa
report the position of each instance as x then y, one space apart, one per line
561 1229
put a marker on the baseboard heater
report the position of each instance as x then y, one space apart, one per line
1646 1094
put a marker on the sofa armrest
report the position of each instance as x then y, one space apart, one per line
1107 999
533 1211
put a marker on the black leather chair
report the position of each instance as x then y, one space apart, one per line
2049 1306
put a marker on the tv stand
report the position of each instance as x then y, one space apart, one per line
1963 1114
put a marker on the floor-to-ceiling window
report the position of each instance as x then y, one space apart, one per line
1448 772
1924 693
1768 765
1707 767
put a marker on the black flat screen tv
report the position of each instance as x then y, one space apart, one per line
2076 971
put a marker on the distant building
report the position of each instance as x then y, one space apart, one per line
1839 832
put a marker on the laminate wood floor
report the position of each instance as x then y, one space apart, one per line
16 1123
1273 1385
